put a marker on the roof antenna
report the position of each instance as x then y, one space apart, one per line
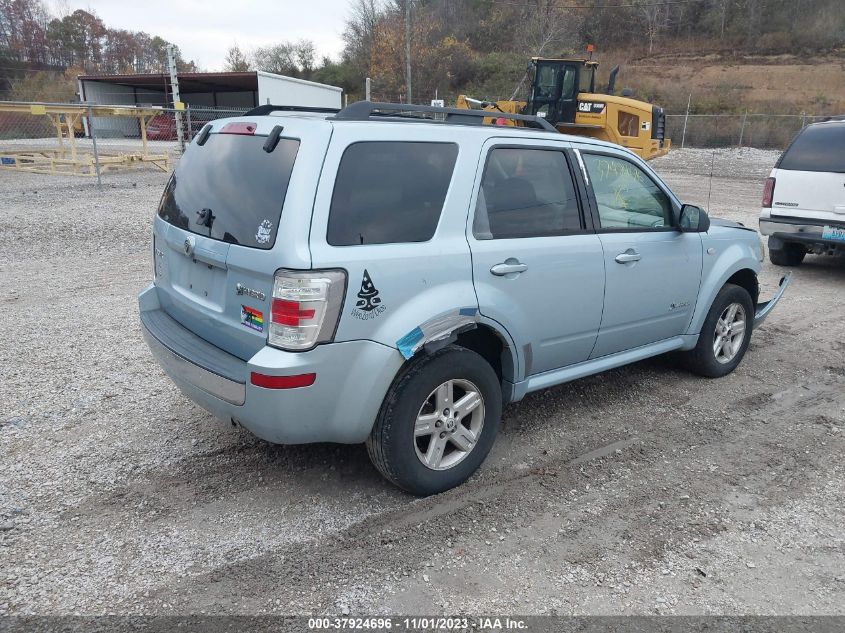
710 189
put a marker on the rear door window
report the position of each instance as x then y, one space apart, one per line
233 181
526 193
389 192
817 148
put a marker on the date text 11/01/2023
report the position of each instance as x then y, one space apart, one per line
418 623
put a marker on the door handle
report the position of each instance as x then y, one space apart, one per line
628 256
510 265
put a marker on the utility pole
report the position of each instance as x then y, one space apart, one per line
408 50
174 88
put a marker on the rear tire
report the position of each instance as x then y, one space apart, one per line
788 255
418 447
725 334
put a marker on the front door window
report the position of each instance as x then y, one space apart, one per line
627 197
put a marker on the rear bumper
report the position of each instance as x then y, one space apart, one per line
175 349
797 231
341 405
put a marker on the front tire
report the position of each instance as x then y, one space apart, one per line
787 255
438 421
725 334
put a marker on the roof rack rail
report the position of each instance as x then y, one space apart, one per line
267 109
365 110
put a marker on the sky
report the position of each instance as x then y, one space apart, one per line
205 29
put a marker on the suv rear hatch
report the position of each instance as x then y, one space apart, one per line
236 209
810 175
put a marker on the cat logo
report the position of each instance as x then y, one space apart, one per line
591 107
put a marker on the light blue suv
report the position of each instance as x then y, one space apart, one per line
395 274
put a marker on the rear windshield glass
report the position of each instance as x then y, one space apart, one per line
390 192
817 148
236 184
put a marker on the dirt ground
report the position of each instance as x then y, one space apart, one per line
642 490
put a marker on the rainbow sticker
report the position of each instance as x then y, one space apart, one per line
252 318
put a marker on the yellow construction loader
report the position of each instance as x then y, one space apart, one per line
563 91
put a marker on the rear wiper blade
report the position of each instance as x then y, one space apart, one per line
203 135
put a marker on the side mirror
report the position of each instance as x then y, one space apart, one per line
694 219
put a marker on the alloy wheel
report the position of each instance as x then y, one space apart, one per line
730 333
449 424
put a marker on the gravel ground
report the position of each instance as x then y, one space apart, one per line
638 491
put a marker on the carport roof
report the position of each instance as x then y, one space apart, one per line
188 82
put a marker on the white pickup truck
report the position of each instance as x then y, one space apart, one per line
804 197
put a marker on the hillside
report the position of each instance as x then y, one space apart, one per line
775 84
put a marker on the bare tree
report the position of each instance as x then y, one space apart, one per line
359 35
720 9
236 61
296 59
549 28
305 54
652 15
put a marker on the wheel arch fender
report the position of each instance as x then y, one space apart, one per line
494 343
467 328
741 270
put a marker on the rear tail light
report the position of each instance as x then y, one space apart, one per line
305 308
768 193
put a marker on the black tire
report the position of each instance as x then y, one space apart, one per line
702 359
788 255
393 445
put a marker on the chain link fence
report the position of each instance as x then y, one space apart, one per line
94 140
760 131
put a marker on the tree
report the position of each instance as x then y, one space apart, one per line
22 30
305 54
33 37
294 59
548 29
360 33
651 14
120 51
158 53
85 34
236 61
342 74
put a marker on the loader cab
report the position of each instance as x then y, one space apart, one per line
555 87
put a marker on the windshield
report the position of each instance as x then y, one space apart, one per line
546 83
554 81
230 189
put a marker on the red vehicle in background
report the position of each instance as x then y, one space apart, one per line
162 128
